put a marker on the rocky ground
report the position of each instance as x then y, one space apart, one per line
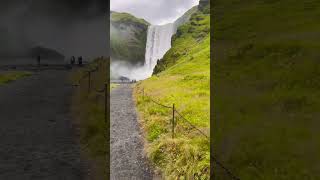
127 157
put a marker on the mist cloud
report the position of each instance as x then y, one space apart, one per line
120 68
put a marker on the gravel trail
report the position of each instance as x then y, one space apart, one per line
36 134
127 159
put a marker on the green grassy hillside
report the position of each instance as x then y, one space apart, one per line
128 37
266 96
127 18
182 77
6 77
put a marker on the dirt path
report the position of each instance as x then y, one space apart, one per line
36 135
127 160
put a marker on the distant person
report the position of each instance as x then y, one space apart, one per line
38 60
80 61
73 60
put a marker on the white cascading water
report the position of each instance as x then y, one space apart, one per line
158 43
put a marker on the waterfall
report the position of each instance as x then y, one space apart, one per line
158 43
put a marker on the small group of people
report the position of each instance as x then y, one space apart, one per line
73 60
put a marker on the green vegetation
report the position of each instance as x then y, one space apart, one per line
187 42
112 86
88 111
181 77
266 76
6 77
127 18
128 37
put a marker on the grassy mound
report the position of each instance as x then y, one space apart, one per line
266 88
6 77
88 111
127 18
128 37
182 77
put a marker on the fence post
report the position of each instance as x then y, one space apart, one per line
89 82
143 94
105 101
173 121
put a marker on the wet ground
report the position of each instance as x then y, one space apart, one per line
36 134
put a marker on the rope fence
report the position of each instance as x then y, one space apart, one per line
229 173
174 123
105 89
174 117
193 126
175 114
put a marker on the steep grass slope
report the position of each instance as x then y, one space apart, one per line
266 88
182 77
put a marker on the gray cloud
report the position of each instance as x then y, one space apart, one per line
156 12
72 27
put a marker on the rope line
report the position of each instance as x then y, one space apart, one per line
224 168
193 126
100 90
230 174
94 70
165 106
87 74
160 104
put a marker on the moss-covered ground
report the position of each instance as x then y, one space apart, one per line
266 97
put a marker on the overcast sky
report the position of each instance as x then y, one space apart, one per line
154 11
72 27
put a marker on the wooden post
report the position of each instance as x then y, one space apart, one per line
89 83
173 121
105 101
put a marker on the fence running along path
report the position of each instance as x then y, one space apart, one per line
174 112
41 67
104 89
174 123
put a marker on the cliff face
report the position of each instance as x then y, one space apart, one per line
128 36
203 5
193 27
185 17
